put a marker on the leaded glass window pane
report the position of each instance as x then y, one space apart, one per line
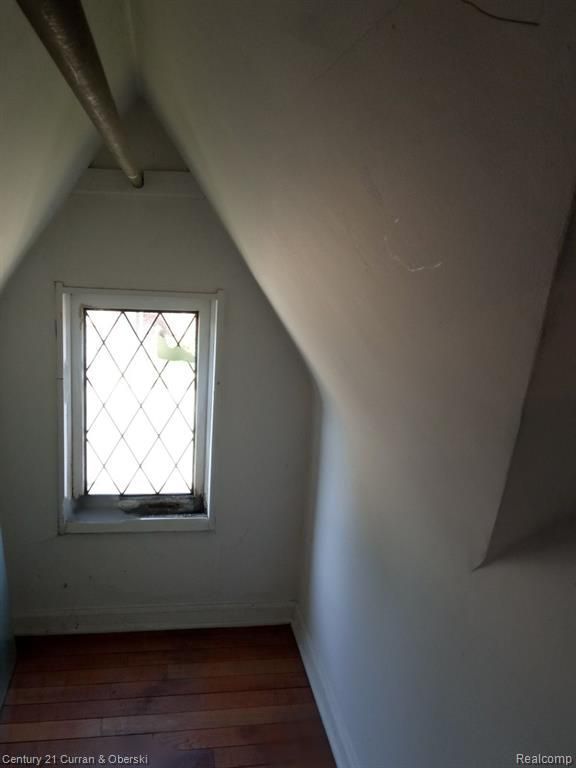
140 401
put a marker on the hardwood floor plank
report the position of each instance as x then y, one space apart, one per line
169 640
239 735
133 724
159 672
154 705
305 754
295 753
141 724
197 740
158 755
233 698
104 691
155 658
43 731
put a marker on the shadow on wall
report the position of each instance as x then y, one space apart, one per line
540 493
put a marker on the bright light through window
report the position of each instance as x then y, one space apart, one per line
138 381
140 401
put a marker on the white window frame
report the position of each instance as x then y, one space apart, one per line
81 513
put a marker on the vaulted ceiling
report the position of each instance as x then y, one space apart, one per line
397 174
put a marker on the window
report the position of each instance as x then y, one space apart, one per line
137 397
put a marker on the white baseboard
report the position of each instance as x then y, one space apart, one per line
139 618
334 725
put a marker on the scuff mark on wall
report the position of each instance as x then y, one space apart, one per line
409 267
421 268
373 187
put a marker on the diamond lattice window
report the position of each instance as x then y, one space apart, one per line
138 383
140 401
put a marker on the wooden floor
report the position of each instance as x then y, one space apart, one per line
206 698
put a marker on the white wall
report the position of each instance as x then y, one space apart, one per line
398 178
149 144
46 139
247 569
417 660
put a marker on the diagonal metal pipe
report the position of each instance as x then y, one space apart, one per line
63 28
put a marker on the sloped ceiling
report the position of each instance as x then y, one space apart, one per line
149 144
46 140
398 176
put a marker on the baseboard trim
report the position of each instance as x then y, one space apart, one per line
336 731
140 618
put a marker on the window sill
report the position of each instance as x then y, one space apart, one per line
110 520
